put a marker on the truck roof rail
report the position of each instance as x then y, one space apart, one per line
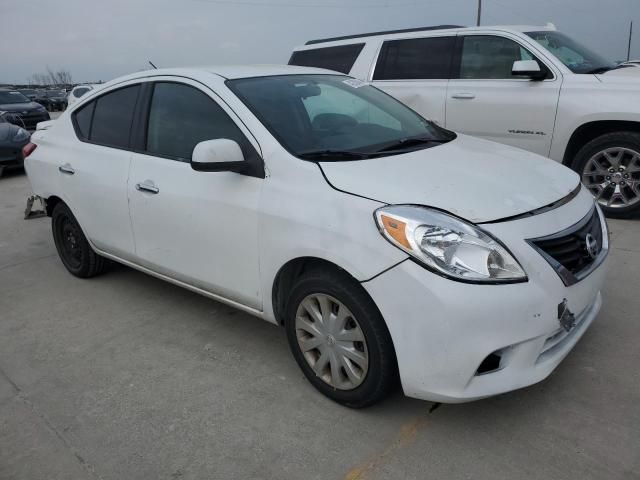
384 32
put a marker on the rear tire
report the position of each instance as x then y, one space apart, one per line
348 353
73 248
609 166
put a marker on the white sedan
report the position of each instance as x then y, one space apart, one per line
385 245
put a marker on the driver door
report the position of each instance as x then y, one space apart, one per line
486 101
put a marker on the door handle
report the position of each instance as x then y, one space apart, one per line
464 95
145 187
66 168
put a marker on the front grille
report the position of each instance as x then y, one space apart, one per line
576 251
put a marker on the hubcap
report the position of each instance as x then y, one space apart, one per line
613 177
332 341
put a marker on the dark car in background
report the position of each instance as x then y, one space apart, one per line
54 100
12 140
30 93
23 112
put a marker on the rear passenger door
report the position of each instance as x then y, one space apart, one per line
487 101
94 171
416 72
197 227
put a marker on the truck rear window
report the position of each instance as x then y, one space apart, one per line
339 59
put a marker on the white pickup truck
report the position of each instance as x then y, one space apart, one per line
526 86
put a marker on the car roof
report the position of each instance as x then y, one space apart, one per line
410 32
226 71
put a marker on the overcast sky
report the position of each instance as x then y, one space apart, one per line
102 40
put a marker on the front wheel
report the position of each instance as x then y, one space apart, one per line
610 169
339 339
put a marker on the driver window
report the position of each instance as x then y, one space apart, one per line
181 116
490 57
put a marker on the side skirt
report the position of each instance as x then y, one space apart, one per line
205 293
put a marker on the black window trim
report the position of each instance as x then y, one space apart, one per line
456 66
94 100
359 46
374 64
137 136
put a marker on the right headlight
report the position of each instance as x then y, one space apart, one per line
448 245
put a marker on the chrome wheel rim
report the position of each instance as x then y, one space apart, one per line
332 341
613 177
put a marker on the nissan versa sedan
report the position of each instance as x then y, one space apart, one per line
386 246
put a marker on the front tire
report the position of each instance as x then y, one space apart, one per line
339 339
610 168
73 248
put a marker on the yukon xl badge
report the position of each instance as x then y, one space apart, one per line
566 318
527 132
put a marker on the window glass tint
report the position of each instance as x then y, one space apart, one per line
181 117
485 56
340 59
113 116
416 58
83 119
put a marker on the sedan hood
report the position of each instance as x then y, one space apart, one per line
477 180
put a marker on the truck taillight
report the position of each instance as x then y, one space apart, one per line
28 149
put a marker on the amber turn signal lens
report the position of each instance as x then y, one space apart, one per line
395 229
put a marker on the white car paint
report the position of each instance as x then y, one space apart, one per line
539 116
227 235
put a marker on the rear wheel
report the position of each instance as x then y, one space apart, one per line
610 169
73 248
339 339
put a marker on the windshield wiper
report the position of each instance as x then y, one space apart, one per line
599 70
333 155
409 142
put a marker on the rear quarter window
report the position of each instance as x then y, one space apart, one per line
339 59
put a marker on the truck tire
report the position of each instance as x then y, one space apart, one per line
609 166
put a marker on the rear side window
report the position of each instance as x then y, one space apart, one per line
340 58
415 58
83 119
181 116
113 116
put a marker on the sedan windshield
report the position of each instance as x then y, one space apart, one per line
576 57
12 97
335 118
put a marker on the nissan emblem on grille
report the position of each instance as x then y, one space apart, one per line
566 318
591 244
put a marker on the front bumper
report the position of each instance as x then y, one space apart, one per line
444 330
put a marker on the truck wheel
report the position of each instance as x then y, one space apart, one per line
73 248
339 339
610 168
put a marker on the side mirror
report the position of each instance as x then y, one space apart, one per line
220 155
528 68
